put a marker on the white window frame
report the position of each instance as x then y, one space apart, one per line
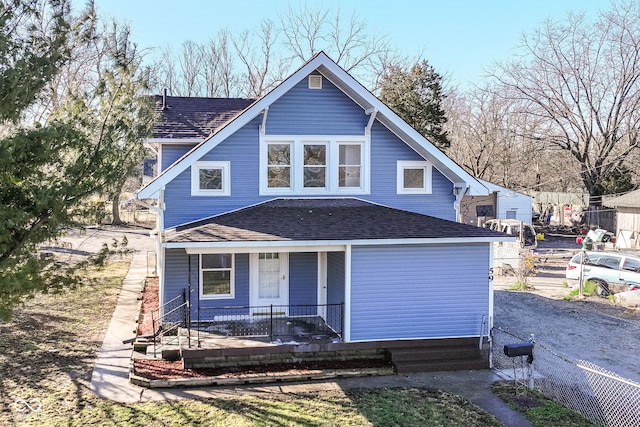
402 165
232 287
332 142
226 178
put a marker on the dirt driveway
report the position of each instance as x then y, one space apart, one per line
592 329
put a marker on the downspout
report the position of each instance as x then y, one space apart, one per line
459 193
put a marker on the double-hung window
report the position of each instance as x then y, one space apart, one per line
210 179
314 165
216 276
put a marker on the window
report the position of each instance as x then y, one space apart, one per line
216 276
414 177
279 165
210 179
349 165
313 165
631 264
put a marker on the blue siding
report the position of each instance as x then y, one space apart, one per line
242 151
176 272
171 153
386 150
335 277
327 111
303 278
400 292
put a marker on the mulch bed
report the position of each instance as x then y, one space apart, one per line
150 301
164 369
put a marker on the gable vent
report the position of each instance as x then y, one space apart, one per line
315 81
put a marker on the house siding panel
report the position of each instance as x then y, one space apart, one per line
326 111
303 278
171 153
402 292
386 150
335 277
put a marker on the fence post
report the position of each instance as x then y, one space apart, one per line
188 320
342 320
271 323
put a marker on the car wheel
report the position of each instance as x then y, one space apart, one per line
602 288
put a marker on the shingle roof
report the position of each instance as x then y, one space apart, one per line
322 220
187 117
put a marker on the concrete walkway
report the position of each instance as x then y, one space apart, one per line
110 378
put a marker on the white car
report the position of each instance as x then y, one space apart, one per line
606 269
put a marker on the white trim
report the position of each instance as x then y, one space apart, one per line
232 289
322 283
174 140
346 334
359 94
296 154
403 165
490 268
331 244
217 249
225 168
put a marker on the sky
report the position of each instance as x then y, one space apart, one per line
459 38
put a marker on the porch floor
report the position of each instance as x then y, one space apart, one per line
242 333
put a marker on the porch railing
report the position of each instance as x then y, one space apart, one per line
283 322
168 319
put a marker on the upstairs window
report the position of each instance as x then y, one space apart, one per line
279 165
210 179
414 177
314 165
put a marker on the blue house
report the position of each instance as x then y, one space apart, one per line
317 195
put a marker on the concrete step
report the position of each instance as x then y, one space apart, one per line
443 353
441 365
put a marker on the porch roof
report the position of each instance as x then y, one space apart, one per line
324 220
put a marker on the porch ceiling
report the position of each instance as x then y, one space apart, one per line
322 220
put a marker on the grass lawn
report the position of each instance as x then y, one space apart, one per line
47 352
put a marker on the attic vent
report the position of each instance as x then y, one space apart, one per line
315 81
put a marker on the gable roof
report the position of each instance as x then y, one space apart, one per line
189 118
359 94
324 220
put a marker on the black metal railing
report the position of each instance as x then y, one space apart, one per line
287 323
168 319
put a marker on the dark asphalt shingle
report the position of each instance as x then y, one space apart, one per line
322 219
190 117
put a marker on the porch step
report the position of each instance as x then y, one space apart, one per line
438 355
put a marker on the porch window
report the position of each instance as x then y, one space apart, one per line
210 179
216 276
414 177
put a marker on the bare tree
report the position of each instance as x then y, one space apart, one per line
581 79
190 68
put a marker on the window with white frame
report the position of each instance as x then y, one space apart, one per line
210 179
216 276
313 165
414 177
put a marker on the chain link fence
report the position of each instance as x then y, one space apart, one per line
601 396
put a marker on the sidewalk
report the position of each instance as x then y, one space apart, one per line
110 378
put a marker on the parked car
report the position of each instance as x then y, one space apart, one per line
610 271
524 231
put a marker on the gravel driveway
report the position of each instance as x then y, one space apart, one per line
592 329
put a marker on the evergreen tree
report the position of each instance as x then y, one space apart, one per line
416 96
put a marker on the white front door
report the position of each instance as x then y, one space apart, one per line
270 280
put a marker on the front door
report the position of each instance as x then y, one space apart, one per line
270 280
